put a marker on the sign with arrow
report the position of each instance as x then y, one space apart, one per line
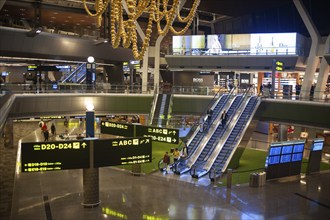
116 128
167 135
122 151
51 156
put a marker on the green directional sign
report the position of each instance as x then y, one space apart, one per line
167 135
122 151
51 156
115 128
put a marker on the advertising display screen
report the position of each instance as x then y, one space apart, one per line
167 135
318 144
273 43
51 156
123 151
115 128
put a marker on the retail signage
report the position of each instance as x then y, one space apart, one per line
52 156
167 135
122 151
116 128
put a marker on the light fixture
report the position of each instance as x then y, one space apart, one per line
124 31
34 32
90 59
89 106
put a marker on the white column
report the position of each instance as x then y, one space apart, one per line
157 62
145 71
323 73
313 59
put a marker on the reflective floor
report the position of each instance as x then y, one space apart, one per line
58 195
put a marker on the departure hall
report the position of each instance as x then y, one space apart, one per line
164 109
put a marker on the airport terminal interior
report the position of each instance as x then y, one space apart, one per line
128 110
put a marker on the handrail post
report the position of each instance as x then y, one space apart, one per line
229 178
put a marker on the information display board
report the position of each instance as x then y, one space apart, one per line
284 159
167 135
318 144
51 156
116 128
122 151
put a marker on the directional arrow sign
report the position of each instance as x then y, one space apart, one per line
123 151
115 128
167 135
50 156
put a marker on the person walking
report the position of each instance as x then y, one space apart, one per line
46 135
166 161
223 118
53 129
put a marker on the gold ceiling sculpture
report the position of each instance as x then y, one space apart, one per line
124 31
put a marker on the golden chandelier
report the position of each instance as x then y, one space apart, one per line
124 31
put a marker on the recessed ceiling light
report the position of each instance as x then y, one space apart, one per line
55 13
66 20
69 17
82 20
53 17
78 24
22 9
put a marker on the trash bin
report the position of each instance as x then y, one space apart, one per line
254 180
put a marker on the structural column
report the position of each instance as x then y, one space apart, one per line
313 59
282 132
8 133
91 175
323 73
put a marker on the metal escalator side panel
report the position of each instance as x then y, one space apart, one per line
5 110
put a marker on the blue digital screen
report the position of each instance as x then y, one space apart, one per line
286 158
287 149
275 151
317 146
274 160
298 148
297 157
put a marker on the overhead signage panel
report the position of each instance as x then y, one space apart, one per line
167 135
123 151
52 156
115 128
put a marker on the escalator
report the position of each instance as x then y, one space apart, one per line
224 147
222 159
161 112
198 136
77 76
218 133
